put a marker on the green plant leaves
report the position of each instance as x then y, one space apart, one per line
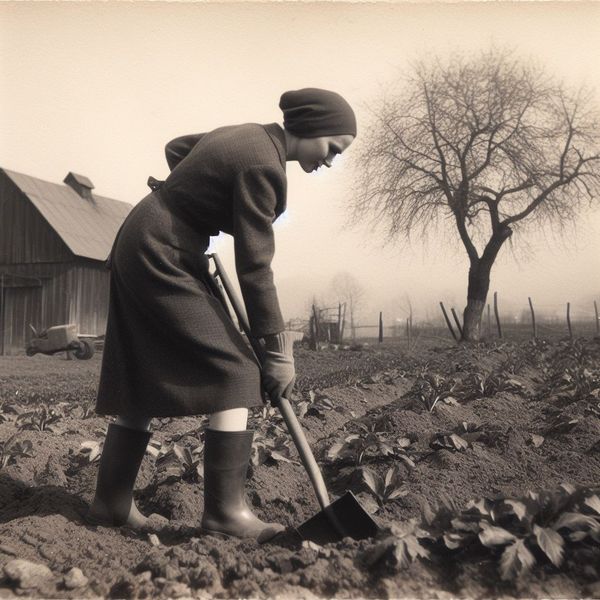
578 526
179 461
12 449
551 543
512 527
374 481
451 441
42 418
593 502
407 549
357 448
387 488
279 457
519 509
516 560
400 549
492 536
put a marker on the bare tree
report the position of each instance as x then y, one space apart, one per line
347 289
489 142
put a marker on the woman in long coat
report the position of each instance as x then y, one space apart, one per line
171 348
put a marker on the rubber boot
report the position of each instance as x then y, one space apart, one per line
226 458
113 504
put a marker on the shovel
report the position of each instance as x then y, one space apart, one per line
344 517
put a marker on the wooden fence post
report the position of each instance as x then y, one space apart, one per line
489 321
343 323
380 327
569 320
457 321
339 327
448 321
317 326
313 338
408 333
532 318
497 315
597 321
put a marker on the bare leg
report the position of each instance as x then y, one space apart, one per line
235 419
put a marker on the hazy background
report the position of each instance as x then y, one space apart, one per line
99 88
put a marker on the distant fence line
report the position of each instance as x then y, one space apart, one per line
575 320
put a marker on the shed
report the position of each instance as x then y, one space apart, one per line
54 241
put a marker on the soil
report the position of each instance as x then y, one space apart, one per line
43 496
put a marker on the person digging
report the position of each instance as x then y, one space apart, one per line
171 348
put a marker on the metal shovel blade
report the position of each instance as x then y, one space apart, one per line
344 517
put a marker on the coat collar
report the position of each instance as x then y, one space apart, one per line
277 135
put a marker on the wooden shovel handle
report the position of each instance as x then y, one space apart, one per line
289 416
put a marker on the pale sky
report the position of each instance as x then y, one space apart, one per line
99 88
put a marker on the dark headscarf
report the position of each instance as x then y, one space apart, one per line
312 112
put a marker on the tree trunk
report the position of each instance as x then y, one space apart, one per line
479 285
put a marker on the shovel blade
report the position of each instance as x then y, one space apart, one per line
344 517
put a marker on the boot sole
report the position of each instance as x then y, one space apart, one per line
228 536
95 522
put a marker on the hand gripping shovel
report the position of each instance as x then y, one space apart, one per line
338 519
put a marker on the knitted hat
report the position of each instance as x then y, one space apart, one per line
312 112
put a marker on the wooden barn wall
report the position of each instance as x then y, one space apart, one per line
88 288
74 292
25 236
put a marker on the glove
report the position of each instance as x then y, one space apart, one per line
278 371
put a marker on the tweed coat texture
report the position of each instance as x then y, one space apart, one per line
171 348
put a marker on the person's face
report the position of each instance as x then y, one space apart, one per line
313 153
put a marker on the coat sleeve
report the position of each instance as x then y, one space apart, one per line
177 149
257 192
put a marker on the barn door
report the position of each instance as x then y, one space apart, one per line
20 307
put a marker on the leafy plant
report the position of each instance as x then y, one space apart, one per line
486 433
576 383
374 422
158 449
389 377
181 462
12 449
448 441
8 411
88 411
316 405
271 448
560 424
431 388
573 373
41 419
399 549
355 447
522 532
385 489
482 385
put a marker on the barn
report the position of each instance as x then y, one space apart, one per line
54 241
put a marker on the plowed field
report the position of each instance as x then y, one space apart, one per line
469 458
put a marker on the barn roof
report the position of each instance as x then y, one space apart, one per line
87 227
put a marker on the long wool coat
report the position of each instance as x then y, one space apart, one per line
171 348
